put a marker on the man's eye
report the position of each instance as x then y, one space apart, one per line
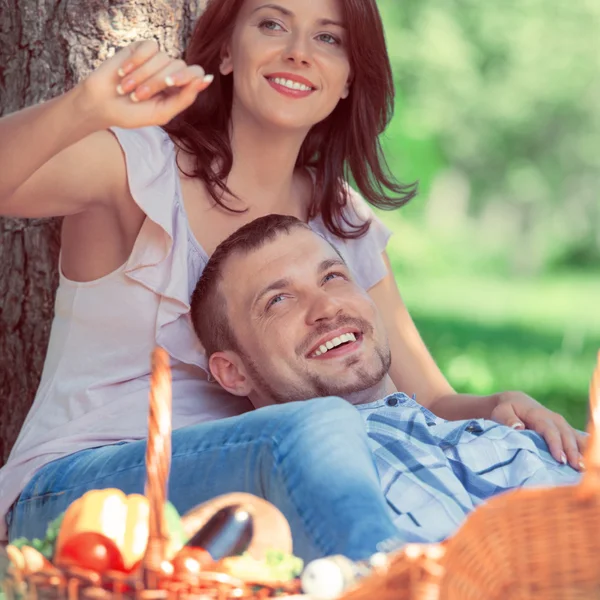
275 300
331 276
270 25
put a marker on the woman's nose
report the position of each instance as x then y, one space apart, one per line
298 51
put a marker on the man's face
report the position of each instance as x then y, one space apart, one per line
304 328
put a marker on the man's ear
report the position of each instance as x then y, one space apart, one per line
226 66
227 368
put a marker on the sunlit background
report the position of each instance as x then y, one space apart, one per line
498 116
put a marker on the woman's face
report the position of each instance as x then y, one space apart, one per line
289 61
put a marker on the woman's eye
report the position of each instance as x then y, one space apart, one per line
329 39
271 25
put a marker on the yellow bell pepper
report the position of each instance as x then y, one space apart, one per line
110 513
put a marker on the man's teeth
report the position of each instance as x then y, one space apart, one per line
292 85
334 343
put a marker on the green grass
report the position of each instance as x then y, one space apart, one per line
489 333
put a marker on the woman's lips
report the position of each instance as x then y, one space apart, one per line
275 82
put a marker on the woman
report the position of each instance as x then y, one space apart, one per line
294 97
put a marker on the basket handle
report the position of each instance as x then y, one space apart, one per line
158 463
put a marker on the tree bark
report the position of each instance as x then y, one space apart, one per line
46 47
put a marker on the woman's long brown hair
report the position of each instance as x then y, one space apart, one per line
342 147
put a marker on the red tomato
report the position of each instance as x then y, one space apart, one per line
190 561
90 550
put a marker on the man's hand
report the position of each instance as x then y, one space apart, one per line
519 411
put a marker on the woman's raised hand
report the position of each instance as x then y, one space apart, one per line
141 86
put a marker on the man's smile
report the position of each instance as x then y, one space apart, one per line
336 343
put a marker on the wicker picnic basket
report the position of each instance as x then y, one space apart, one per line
525 544
37 579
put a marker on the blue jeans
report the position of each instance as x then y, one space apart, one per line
311 459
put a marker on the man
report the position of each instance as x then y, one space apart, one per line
282 320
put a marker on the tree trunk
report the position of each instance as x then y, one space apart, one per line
46 47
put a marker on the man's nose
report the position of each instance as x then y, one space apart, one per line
298 50
323 307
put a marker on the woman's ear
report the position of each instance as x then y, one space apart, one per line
227 368
346 90
226 66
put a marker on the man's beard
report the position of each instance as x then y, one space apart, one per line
313 386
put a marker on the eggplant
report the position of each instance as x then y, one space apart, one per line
227 533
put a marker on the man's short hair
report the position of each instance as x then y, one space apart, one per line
209 306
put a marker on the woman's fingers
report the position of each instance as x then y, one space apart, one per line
582 444
154 73
141 86
553 438
175 75
173 104
583 440
569 442
134 55
182 77
136 80
565 443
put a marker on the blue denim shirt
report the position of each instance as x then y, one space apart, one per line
434 472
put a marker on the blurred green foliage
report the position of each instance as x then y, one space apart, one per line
498 116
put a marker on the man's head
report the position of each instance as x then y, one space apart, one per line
282 319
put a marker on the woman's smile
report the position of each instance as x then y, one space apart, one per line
290 85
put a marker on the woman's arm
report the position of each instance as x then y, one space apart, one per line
414 371
45 156
57 158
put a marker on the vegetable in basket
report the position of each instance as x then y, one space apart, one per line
108 530
227 533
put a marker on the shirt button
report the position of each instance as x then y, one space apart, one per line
393 401
474 428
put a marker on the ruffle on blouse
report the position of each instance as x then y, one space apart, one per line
159 259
